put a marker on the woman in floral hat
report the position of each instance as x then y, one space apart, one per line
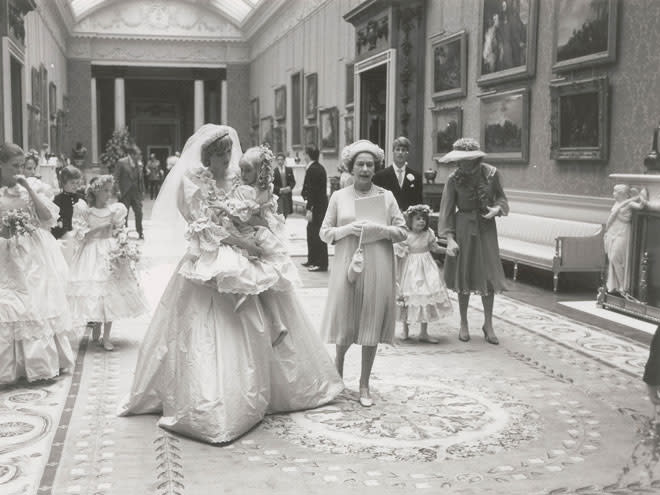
471 200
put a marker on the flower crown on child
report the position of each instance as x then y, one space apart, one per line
423 210
265 177
33 155
95 185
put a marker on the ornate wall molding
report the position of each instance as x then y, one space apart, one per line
153 51
164 19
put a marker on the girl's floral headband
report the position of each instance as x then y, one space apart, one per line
417 210
99 182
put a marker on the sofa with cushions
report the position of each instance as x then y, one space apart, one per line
551 244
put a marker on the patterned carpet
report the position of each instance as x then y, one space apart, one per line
557 408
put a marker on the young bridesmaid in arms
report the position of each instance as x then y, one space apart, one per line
103 286
423 296
34 316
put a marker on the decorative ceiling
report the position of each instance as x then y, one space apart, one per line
236 11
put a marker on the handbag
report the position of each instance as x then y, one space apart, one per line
357 262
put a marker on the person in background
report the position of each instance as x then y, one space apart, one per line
78 155
652 374
315 193
128 180
153 177
471 200
361 305
404 182
283 183
171 162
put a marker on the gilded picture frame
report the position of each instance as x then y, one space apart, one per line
580 120
311 95
584 33
449 62
329 130
447 128
280 103
507 40
504 123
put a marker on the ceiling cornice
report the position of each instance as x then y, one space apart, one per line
260 16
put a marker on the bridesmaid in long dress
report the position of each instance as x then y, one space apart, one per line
34 314
207 367
361 311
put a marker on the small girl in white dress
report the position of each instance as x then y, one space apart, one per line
34 314
422 294
103 286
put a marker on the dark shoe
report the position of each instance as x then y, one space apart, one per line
306 265
141 237
317 269
491 340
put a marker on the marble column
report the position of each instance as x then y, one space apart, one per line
120 103
199 104
94 126
223 102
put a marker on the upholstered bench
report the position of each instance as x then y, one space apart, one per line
551 243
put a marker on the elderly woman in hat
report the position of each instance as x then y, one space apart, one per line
472 198
361 294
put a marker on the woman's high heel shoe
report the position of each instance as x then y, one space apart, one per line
365 398
491 340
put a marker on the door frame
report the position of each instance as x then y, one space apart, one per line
387 57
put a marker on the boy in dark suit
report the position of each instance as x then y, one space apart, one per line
315 194
404 182
283 184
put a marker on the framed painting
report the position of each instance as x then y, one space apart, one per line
579 119
311 135
329 130
297 103
507 40
447 128
349 133
449 75
266 134
280 103
584 33
311 95
254 112
504 122
279 139
35 81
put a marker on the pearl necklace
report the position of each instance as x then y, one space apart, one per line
362 194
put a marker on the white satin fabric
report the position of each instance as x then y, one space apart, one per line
34 314
209 369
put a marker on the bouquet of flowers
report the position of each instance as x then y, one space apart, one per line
17 222
124 252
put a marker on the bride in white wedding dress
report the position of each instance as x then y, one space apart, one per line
207 368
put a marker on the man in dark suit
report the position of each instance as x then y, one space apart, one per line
314 192
283 184
404 182
129 181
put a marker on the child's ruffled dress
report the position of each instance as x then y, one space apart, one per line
34 314
229 268
422 294
98 289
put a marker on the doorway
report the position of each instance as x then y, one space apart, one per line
161 152
373 105
374 86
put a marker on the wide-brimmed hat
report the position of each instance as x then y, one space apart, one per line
463 149
363 145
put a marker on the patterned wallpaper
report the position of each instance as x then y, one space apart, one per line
634 97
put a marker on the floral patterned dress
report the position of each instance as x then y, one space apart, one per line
477 267
34 314
99 290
